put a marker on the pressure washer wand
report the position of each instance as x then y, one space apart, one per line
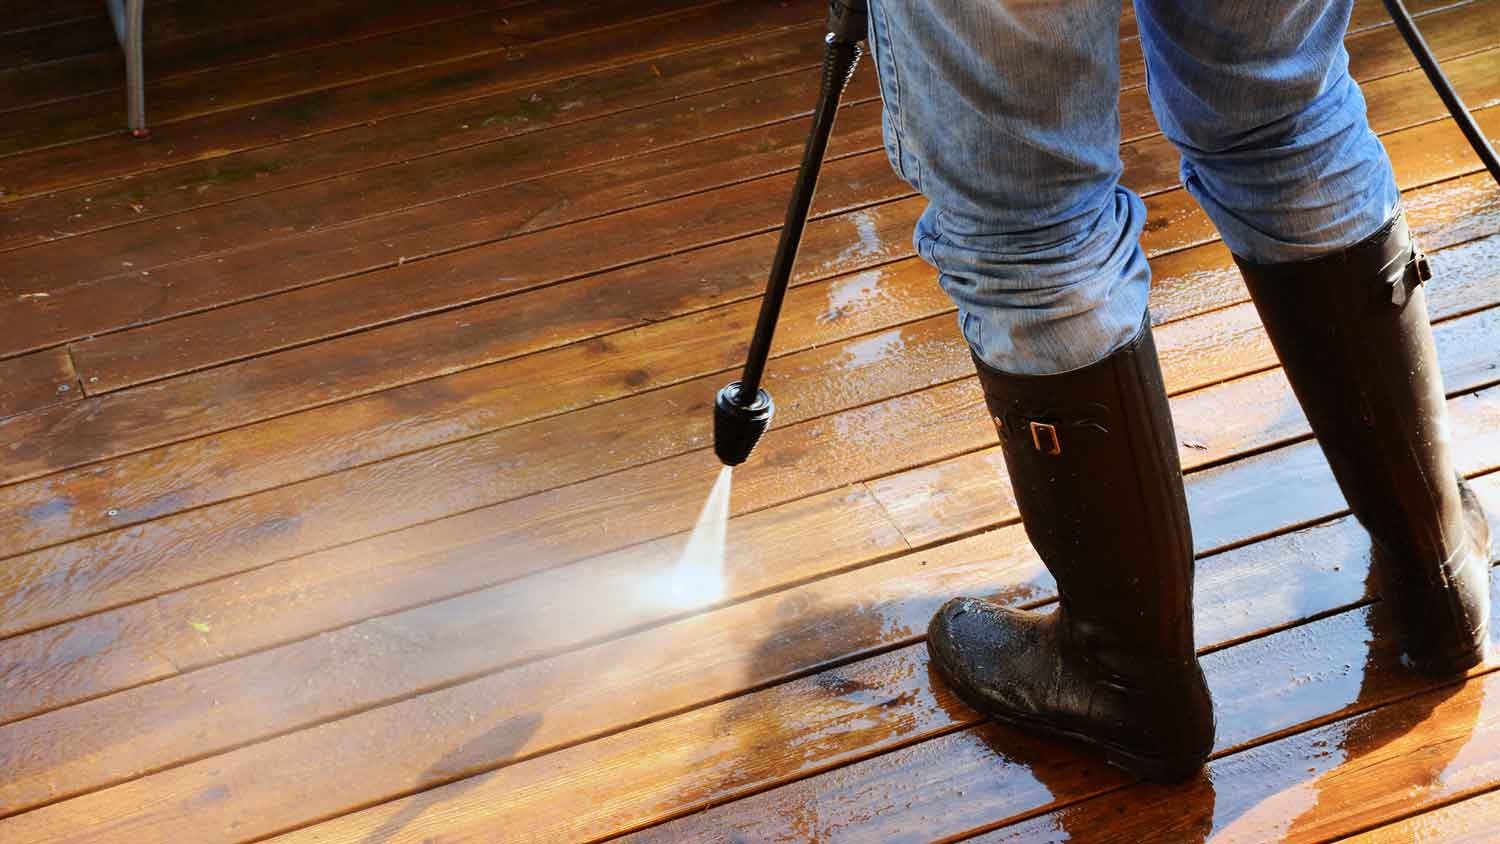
743 410
1414 40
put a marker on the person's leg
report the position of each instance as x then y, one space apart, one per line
1005 116
1277 149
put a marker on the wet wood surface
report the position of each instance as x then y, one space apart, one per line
389 363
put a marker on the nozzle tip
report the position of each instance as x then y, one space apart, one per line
738 427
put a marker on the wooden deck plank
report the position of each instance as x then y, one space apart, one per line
502 726
197 341
447 184
1470 821
26 17
485 119
40 379
433 224
964 782
245 668
47 445
311 314
337 108
281 530
397 667
501 38
1310 787
308 444
428 413
1275 420
188 38
712 755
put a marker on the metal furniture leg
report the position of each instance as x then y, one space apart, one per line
127 17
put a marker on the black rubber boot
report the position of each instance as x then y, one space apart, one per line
1352 332
1093 461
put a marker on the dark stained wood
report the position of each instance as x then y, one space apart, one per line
483 179
185 38
22 18
419 233
315 313
430 131
507 36
133 357
37 380
336 108
151 409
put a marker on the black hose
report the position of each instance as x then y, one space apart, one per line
1444 88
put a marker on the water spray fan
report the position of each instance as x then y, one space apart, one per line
743 409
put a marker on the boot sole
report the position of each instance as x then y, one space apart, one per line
1149 768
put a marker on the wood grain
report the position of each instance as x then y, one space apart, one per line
186 38
419 233
400 667
37 380
499 36
430 131
1471 821
331 109
1313 786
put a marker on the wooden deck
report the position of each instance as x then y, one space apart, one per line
353 428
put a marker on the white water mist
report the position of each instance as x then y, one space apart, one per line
698 579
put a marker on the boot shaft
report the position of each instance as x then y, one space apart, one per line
1351 330
1093 462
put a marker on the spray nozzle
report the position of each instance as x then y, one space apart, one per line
738 425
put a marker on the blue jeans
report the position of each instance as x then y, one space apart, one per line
1005 115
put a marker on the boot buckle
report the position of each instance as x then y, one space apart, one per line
1414 273
1040 432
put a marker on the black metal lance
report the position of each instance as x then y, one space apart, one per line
743 409
1444 88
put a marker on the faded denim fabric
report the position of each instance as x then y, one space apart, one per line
1005 115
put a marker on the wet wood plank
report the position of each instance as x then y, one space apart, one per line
964 782
316 313
1313 786
404 237
803 625
337 108
38 380
186 38
435 130
503 36
1471 821
283 526
264 455
561 451
262 380
394 647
